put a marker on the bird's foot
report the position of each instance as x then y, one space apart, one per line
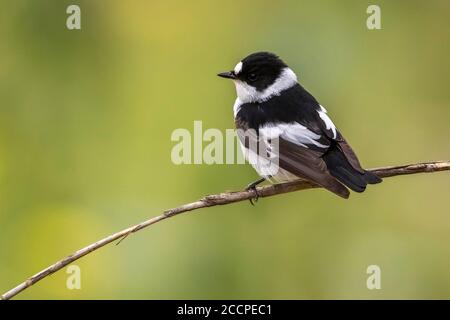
255 192
252 187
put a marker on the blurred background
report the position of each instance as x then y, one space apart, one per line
86 118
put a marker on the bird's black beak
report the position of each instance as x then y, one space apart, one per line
227 75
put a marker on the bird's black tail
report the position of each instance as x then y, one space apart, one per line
340 168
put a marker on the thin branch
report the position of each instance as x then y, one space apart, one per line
211 201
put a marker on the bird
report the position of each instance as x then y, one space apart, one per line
294 136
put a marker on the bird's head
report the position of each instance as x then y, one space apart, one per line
260 76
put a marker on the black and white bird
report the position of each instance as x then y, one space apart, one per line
271 102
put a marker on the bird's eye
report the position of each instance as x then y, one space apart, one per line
252 77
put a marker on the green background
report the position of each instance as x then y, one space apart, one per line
85 124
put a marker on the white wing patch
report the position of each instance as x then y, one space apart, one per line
326 119
293 132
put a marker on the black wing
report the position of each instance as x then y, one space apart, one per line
292 147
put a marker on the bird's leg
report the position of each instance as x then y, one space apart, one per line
252 187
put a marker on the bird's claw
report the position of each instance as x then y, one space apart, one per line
255 191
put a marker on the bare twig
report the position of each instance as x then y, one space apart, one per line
215 200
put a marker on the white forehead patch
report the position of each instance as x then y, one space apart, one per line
238 68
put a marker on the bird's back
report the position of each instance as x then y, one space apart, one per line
310 146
